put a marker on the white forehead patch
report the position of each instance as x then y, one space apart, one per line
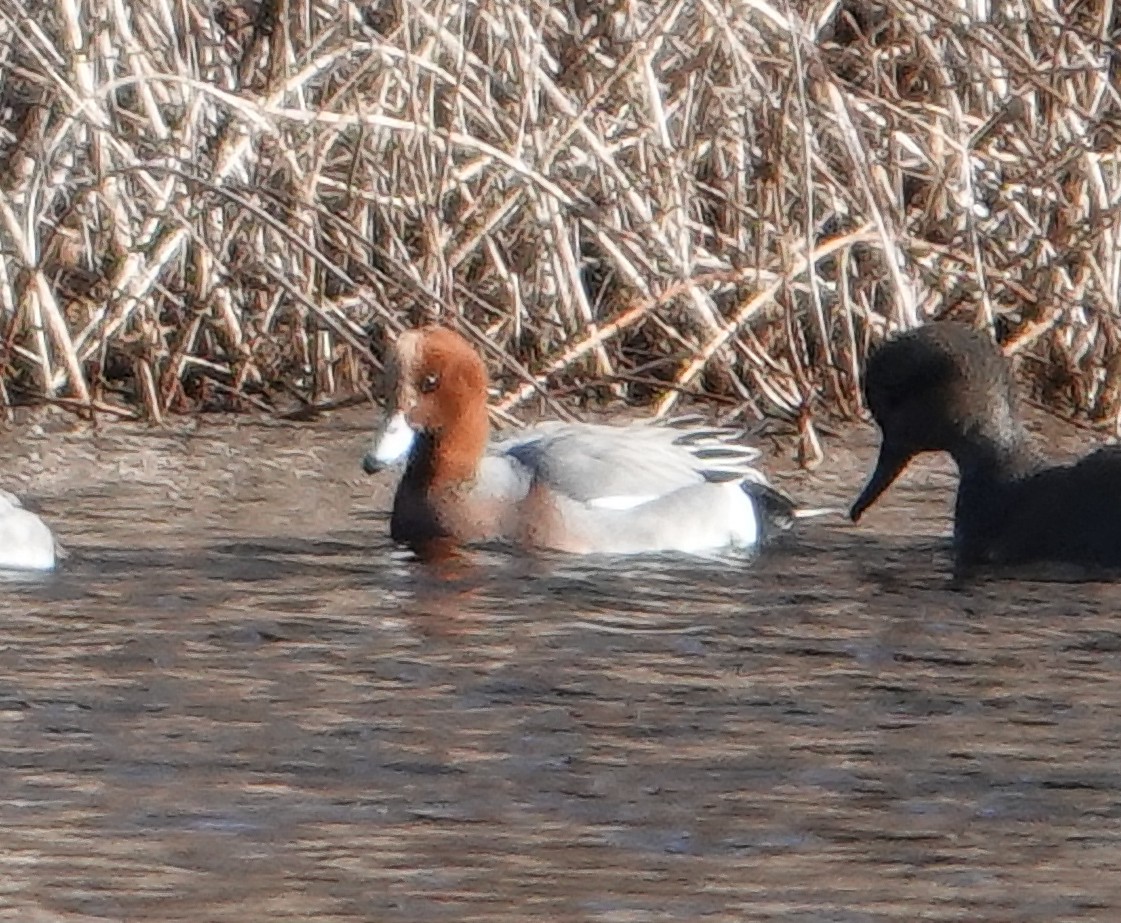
408 350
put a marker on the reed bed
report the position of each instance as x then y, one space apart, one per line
235 205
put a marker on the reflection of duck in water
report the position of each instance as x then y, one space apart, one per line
572 487
946 387
25 541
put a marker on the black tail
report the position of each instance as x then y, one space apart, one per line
777 512
775 509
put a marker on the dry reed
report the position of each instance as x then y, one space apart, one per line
224 205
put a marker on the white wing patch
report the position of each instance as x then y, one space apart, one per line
620 502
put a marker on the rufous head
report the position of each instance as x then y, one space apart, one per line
436 385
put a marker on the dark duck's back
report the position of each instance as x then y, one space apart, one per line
946 387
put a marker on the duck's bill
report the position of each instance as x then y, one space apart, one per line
888 467
391 445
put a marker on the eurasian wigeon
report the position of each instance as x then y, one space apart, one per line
572 487
25 541
946 387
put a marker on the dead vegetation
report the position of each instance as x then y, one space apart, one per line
226 205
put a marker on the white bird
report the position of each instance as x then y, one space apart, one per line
26 543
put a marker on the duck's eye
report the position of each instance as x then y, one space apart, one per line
429 383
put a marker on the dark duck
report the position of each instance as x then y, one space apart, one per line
946 388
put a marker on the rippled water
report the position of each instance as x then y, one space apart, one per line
238 702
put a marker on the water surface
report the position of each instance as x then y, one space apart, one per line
237 701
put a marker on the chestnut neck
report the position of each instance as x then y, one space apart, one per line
450 456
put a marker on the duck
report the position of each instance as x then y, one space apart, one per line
26 542
578 488
946 387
